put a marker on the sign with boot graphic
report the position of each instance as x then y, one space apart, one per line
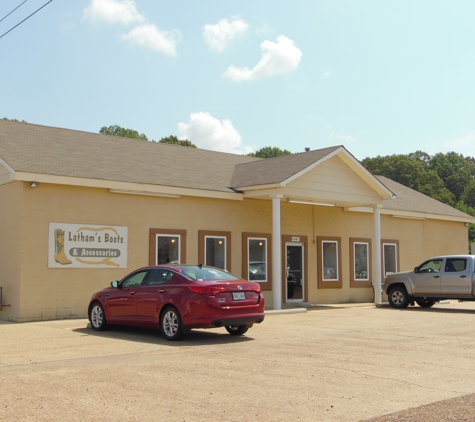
87 246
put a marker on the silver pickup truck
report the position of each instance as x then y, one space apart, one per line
438 278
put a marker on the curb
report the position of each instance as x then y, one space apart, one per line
286 311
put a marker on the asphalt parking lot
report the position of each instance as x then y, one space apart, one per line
336 363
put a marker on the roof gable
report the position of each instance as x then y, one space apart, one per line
283 170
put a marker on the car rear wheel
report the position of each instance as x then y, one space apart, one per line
398 297
171 324
97 317
237 330
425 303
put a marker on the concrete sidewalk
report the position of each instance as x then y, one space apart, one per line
342 363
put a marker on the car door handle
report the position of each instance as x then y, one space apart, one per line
132 293
463 276
161 291
437 276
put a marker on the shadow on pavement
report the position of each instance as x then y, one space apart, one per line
198 337
434 309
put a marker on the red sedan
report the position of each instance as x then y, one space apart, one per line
178 298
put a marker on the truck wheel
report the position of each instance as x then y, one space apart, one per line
398 297
425 303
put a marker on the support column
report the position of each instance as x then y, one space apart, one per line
377 255
276 253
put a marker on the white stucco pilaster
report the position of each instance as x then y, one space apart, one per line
377 255
276 253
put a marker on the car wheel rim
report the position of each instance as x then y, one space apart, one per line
170 324
234 327
398 298
96 316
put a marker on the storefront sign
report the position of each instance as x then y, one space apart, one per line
295 239
87 246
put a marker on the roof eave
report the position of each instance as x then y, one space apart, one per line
126 187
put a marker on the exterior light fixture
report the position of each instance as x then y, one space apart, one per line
34 184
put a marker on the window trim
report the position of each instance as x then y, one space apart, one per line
153 233
265 285
321 282
203 234
354 282
389 242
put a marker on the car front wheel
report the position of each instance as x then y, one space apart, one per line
425 303
171 324
97 317
398 297
237 330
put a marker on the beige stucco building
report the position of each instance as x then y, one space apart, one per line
79 210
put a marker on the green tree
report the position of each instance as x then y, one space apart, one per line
454 170
15 120
117 130
175 141
269 152
468 195
412 171
448 178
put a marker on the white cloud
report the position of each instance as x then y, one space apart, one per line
112 11
148 35
207 132
277 57
220 35
465 145
343 139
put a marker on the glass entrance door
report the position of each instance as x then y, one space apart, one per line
294 256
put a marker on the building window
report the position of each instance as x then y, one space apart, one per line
329 262
257 259
390 257
214 249
167 246
390 251
168 249
360 262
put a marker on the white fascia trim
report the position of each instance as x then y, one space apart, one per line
258 187
355 165
7 166
128 186
366 175
413 214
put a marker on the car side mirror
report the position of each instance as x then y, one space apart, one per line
416 269
115 284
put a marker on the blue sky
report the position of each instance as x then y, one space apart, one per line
377 76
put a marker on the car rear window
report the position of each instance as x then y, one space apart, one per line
206 273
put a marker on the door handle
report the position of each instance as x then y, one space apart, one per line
132 293
463 276
161 291
437 276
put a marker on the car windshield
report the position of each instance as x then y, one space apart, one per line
206 273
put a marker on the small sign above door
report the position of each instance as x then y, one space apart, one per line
295 239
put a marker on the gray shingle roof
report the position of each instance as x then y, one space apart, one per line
63 152
408 199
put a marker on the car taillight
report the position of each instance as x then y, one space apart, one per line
256 289
207 290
